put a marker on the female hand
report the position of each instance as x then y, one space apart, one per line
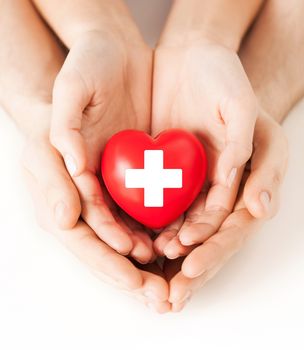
45 173
102 88
203 88
265 175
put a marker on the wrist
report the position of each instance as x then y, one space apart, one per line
111 35
120 27
222 22
202 37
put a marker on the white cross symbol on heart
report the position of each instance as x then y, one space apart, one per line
153 178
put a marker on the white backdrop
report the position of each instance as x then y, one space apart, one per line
48 300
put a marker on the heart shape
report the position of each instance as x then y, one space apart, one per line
154 180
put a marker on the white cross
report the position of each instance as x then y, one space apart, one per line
153 178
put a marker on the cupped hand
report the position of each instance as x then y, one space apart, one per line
260 184
48 180
102 88
203 88
261 191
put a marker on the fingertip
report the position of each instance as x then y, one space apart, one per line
141 253
177 307
258 203
159 307
191 270
158 248
123 247
171 251
186 237
179 296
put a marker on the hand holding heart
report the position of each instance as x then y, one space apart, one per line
203 88
94 99
104 86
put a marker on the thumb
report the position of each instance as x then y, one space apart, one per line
70 98
45 166
268 166
240 118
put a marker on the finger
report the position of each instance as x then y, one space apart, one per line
174 249
70 98
268 167
142 243
142 247
183 288
205 261
159 307
97 214
100 257
209 212
180 286
46 166
239 116
84 244
214 252
155 289
167 235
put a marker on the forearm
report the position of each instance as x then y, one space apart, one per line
222 21
30 59
273 56
72 18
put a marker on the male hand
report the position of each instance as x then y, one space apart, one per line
265 174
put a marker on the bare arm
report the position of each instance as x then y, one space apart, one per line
273 56
72 18
30 58
222 21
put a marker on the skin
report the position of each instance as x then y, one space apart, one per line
26 96
200 85
262 56
203 261
89 96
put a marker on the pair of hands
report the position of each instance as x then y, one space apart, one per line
105 86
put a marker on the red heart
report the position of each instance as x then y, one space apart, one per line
184 166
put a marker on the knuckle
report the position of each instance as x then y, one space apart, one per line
244 106
192 218
95 200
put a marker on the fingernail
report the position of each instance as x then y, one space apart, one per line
231 177
59 211
265 200
150 295
70 164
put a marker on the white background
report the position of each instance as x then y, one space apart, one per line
48 300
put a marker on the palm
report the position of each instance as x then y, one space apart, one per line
112 87
196 89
